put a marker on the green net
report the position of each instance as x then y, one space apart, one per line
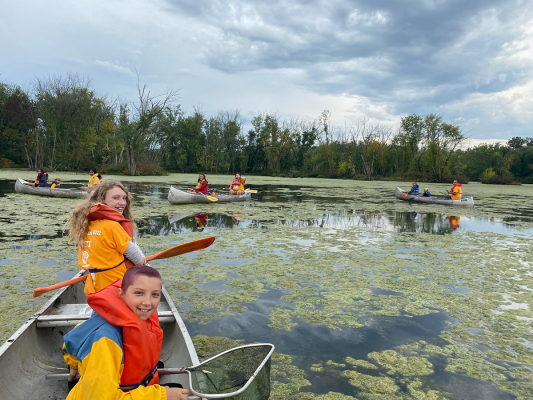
229 372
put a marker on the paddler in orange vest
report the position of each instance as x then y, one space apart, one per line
116 351
237 185
456 192
102 228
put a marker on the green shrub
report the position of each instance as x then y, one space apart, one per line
5 163
144 169
499 180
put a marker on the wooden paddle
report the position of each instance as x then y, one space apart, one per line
172 252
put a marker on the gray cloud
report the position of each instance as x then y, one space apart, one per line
433 51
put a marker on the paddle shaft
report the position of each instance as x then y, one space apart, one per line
171 252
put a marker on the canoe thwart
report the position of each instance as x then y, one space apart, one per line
48 321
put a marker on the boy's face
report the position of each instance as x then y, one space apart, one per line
143 296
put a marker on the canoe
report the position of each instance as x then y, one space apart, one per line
31 359
464 202
177 196
21 186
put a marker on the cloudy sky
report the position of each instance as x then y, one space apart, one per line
470 61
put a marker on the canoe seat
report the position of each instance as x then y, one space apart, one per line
73 314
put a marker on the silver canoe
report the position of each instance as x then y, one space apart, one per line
31 359
177 196
464 202
21 186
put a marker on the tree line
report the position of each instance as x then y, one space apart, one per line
61 123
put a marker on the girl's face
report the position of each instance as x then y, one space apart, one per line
238 176
117 199
39 171
202 176
91 173
143 296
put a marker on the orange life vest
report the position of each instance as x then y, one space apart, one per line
141 340
237 182
101 211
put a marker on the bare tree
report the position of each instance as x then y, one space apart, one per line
142 115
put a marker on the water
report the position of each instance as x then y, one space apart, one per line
299 267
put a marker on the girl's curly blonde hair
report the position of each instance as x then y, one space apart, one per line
78 220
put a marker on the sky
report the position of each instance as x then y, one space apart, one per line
469 61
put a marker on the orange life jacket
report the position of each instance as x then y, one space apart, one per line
457 191
141 340
101 211
237 182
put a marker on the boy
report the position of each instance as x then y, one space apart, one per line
116 350
56 183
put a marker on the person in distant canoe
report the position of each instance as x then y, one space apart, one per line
426 193
116 351
56 184
414 189
237 185
456 192
102 228
41 180
201 185
93 180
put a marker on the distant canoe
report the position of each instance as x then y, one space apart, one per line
21 186
464 202
177 196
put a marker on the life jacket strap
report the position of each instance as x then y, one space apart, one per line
147 379
95 270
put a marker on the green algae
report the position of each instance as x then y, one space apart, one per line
396 363
360 363
379 385
325 277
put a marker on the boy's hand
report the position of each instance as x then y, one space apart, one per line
176 393
72 374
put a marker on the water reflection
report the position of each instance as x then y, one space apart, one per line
195 222
432 223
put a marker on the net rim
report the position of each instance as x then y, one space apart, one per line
250 380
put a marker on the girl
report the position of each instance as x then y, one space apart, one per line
41 180
102 228
116 350
94 180
201 185
237 185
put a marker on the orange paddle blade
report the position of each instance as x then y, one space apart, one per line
183 248
172 252
39 291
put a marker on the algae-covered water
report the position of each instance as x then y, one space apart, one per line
364 296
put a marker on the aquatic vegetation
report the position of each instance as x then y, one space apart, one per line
309 257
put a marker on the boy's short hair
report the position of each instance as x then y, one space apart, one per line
133 272
58 179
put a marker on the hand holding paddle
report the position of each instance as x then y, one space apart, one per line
171 252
